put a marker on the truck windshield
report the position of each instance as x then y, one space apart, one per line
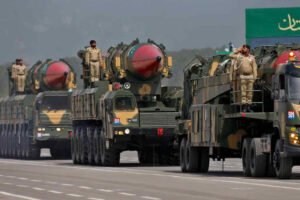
124 103
55 103
294 87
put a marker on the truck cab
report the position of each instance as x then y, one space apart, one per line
52 121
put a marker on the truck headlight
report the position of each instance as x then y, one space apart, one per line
127 131
41 129
294 138
58 129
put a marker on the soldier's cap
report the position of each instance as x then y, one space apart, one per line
92 41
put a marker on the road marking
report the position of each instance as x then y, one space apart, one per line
10 177
67 184
1 175
153 173
37 181
51 182
7 183
38 189
92 198
17 196
22 178
240 188
127 194
55 192
105 190
74 195
22 186
150 198
85 187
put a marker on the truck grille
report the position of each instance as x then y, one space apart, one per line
158 119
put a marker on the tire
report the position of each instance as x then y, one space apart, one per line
97 155
77 147
182 155
149 156
83 147
109 157
191 158
73 147
90 146
246 157
282 165
203 160
258 160
32 152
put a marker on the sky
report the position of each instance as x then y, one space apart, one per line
39 29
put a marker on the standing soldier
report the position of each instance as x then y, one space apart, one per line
20 76
93 60
244 70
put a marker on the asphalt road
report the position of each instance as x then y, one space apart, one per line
60 179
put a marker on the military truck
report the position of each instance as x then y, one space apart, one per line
124 111
213 124
39 118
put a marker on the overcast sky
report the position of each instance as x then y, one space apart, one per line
38 29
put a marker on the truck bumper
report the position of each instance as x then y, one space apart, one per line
146 137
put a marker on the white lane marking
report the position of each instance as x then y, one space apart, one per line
51 182
38 189
241 188
67 184
55 192
105 190
257 184
37 181
17 196
92 198
152 173
22 178
74 195
127 194
7 183
1 175
85 187
22 186
150 198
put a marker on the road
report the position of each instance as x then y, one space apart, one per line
60 179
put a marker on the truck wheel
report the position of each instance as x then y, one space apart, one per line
56 153
73 147
90 140
77 143
83 146
97 157
182 155
258 160
246 156
282 165
203 160
191 158
110 156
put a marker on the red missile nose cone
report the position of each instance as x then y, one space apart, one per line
56 74
146 60
284 58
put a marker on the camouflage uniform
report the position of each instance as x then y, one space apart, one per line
93 59
244 73
18 75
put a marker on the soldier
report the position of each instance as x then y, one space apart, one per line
244 70
93 59
18 75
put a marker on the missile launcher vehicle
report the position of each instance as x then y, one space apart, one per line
125 109
40 117
213 124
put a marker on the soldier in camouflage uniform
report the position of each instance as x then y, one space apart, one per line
18 75
93 60
245 72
